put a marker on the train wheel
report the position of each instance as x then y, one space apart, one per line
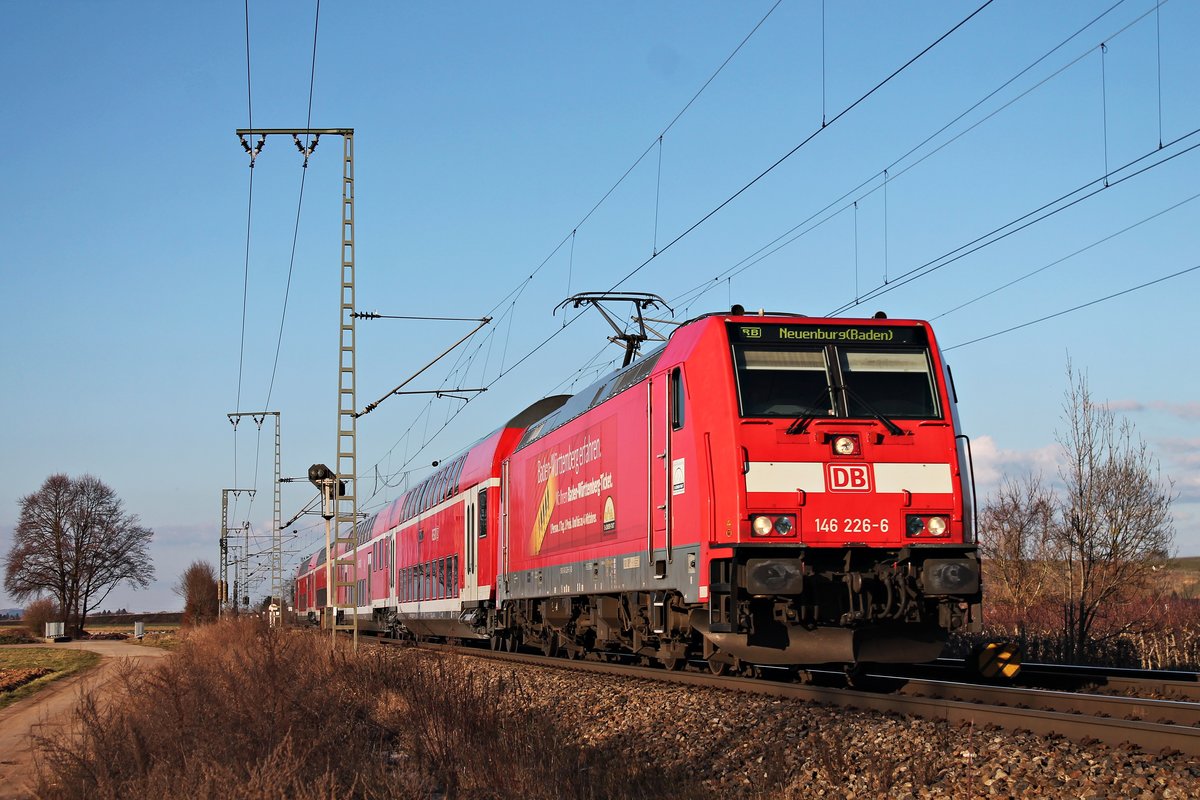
496 641
857 677
716 666
549 644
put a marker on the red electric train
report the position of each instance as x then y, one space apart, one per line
762 489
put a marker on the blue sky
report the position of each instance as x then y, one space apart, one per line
485 134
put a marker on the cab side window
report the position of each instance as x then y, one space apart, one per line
677 394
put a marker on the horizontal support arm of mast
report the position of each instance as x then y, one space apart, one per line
290 131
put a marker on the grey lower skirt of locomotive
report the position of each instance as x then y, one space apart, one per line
846 605
766 605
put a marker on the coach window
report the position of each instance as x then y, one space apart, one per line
454 575
483 513
458 471
676 398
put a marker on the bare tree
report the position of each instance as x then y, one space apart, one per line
1115 525
198 588
75 542
1016 531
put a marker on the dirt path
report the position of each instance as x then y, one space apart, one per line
51 708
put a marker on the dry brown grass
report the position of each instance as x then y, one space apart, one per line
240 711
50 663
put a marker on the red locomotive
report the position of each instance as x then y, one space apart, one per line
762 489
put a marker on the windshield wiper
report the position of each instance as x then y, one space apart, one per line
892 427
800 424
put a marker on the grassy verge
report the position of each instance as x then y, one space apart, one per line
241 712
61 663
167 640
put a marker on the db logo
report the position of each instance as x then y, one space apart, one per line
849 478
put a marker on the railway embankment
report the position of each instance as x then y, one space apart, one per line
245 713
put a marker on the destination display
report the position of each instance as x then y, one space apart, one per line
828 334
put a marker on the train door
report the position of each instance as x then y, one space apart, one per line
476 505
664 417
501 552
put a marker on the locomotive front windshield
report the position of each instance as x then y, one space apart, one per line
846 378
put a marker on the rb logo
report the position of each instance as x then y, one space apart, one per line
849 478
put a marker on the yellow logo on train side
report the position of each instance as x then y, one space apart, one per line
541 522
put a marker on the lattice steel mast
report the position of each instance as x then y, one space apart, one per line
223 586
341 540
276 528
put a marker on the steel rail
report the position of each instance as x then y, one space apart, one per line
1097 705
1080 726
1168 683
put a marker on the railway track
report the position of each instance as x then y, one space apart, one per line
1170 684
1152 725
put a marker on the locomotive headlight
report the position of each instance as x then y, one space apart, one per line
762 526
932 525
784 526
846 445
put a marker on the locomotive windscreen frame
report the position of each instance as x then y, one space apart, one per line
828 371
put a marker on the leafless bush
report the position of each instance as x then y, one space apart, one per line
38 613
198 588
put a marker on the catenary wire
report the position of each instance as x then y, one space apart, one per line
862 98
1061 260
782 240
1052 208
1074 308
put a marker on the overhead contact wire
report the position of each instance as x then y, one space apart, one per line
770 247
246 269
806 140
312 75
1075 308
1023 222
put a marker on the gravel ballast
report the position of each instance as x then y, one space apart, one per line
721 743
